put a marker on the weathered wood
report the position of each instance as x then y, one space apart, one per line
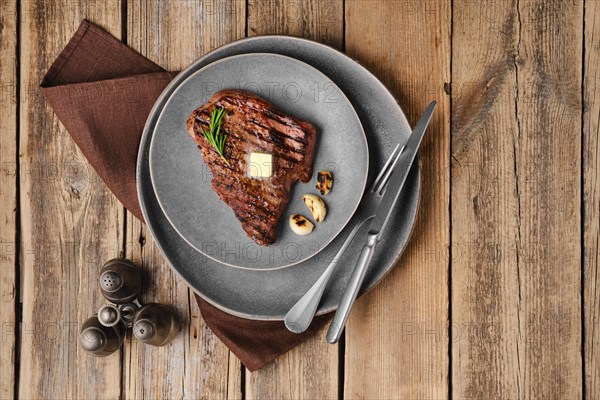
485 209
309 371
591 199
196 364
317 20
516 146
70 221
8 196
515 198
396 338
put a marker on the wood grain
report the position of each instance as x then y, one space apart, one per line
485 207
321 20
8 196
396 338
505 192
70 221
309 371
516 143
591 199
196 364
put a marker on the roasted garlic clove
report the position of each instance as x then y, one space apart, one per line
300 225
316 206
324 182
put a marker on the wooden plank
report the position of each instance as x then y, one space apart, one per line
196 364
591 200
71 223
516 91
322 21
485 207
8 196
310 371
396 338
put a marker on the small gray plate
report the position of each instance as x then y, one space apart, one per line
268 295
181 179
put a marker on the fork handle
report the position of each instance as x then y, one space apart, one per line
300 316
358 275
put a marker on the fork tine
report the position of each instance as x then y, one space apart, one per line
386 178
389 161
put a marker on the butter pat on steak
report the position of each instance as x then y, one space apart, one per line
254 125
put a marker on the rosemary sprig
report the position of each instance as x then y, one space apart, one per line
214 135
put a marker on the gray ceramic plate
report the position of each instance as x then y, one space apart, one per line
268 295
182 180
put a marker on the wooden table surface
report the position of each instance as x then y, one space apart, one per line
497 295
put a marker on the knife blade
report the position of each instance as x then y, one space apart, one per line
401 171
392 192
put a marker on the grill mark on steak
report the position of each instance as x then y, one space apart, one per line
284 123
281 138
249 199
253 226
258 220
253 125
283 153
281 143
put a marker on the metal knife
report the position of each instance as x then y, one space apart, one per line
390 197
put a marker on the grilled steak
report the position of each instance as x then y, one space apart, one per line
254 125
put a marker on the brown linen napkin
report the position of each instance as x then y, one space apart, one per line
102 92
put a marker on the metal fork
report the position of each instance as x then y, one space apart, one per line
301 314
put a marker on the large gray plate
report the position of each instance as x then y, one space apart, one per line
182 180
268 295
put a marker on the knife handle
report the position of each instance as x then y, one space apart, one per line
358 275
